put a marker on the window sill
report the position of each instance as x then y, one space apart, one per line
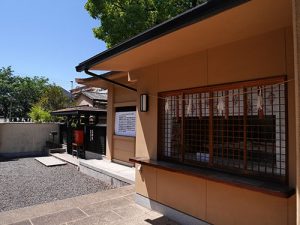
271 188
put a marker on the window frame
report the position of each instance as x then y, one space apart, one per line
223 87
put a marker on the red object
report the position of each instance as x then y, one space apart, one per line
78 137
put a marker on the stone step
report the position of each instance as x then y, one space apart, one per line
57 150
50 161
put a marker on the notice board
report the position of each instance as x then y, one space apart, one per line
125 123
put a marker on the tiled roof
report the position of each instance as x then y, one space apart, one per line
95 95
78 110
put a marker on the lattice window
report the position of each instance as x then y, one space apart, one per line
238 127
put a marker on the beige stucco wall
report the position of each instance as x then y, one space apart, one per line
122 95
267 55
124 148
214 202
25 138
118 147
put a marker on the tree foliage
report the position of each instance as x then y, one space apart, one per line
19 94
38 114
27 92
6 88
123 19
53 98
23 96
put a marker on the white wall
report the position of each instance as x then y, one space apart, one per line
25 139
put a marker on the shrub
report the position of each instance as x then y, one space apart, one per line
39 115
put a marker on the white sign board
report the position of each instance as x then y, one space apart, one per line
125 123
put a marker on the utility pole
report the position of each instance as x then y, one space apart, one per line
71 92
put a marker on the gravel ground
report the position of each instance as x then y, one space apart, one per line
25 182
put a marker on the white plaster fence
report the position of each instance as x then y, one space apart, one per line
25 139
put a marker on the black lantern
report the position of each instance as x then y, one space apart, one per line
92 120
144 103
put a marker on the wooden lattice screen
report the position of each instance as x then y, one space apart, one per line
239 127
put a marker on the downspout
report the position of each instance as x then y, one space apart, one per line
296 36
110 81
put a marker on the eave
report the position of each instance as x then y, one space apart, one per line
194 15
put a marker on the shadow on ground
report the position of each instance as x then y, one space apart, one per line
8 159
161 221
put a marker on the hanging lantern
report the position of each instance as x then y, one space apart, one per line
92 120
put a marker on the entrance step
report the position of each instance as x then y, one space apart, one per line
113 173
50 161
67 158
105 168
57 150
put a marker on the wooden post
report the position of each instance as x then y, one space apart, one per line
211 127
110 122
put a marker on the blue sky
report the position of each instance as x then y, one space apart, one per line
47 38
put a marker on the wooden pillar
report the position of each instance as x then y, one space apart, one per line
110 122
296 34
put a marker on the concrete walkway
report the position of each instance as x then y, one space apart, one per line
112 207
92 166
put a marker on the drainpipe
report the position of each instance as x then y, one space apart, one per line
296 36
110 81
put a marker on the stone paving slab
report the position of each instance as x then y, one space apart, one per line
59 217
106 205
112 207
132 211
50 161
13 216
101 218
25 222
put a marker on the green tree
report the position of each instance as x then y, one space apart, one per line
18 94
21 95
123 19
38 114
27 92
53 98
7 81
